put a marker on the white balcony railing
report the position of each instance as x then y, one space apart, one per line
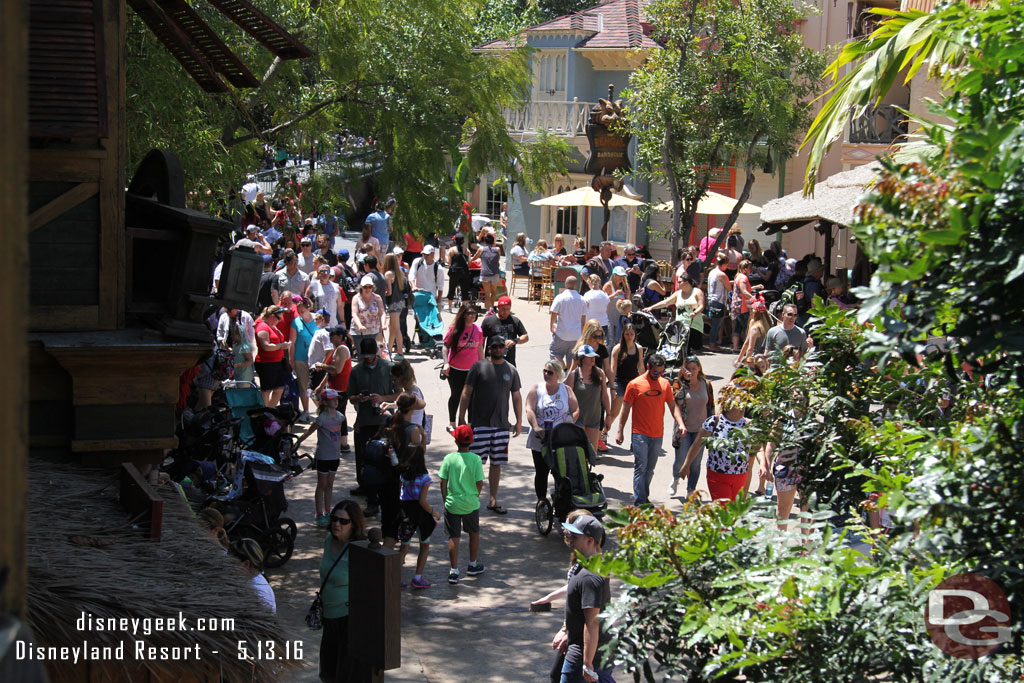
559 118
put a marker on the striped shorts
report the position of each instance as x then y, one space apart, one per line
491 442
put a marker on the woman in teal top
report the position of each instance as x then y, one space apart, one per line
346 524
303 328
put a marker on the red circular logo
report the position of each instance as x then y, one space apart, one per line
967 616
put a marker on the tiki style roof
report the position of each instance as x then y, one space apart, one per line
201 51
834 200
85 556
620 27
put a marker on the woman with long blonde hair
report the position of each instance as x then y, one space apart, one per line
592 335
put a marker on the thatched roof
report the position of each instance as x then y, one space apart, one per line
132 576
833 200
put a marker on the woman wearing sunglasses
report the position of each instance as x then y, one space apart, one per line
346 524
548 404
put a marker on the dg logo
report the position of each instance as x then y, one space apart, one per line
968 616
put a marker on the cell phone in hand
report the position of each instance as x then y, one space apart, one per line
540 606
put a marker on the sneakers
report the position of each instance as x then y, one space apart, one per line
423 583
305 416
345 448
321 521
453 576
475 569
672 488
602 446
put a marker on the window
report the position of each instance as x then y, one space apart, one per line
496 196
566 218
552 73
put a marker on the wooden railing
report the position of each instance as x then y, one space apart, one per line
558 118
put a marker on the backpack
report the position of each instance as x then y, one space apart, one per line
349 283
792 295
379 458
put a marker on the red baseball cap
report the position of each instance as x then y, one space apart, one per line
504 301
463 434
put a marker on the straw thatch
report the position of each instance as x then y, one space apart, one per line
834 199
85 556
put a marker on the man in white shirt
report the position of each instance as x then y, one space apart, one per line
327 294
426 274
568 315
250 189
255 240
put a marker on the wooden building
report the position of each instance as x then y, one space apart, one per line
89 369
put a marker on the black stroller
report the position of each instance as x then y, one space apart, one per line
648 329
568 453
254 504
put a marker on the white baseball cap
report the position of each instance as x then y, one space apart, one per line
429 249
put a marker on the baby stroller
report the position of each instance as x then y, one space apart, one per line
570 456
254 505
673 342
648 329
428 323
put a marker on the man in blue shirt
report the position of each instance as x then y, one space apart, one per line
380 222
634 266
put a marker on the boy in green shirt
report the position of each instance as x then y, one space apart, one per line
462 480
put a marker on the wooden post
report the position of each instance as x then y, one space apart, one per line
375 605
13 272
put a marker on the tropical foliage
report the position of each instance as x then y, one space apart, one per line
912 406
729 87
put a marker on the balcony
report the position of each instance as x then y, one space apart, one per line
559 118
882 126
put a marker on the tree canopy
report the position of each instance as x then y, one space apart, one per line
402 74
729 87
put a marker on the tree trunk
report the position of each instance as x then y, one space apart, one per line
748 182
673 187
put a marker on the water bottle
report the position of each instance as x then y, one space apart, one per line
768 490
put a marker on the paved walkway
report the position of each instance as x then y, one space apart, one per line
480 629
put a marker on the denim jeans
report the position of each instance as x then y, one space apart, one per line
561 349
646 451
716 327
739 327
693 476
573 673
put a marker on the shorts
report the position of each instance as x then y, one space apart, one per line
583 424
491 442
271 375
724 486
396 307
302 375
327 465
620 389
453 523
424 522
316 378
493 279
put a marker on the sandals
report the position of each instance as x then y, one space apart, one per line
497 509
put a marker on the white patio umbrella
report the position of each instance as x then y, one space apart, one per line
585 196
714 204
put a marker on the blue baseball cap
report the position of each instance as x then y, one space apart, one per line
586 350
343 254
267 258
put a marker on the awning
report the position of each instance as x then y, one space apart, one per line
833 201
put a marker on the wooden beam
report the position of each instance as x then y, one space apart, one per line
61 204
13 270
139 499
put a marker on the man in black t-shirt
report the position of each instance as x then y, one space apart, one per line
268 281
501 322
587 595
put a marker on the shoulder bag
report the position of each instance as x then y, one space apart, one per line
315 614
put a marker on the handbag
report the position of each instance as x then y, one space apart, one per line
428 426
315 613
716 309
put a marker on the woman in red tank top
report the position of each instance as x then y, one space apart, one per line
270 348
338 364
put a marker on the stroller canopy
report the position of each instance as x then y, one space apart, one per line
425 306
569 454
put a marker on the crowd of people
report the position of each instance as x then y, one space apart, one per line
331 329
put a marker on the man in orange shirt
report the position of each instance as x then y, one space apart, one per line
649 393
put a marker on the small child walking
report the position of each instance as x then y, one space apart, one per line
462 480
327 425
415 484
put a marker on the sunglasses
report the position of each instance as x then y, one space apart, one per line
597 335
344 521
324 272
548 372
690 359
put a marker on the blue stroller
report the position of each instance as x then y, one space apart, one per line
428 323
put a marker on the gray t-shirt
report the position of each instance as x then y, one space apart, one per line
296 284
587 590
779 337
492 385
